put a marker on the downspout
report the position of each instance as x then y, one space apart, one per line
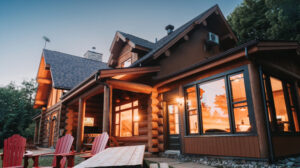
270 143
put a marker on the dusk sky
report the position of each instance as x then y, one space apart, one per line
76 26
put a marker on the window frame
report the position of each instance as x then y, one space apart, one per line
226 76
285 79
133 119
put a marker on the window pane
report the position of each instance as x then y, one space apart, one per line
117 108
136 116
238 88
173 119
191 98
241 118
117 118
214 106
117 130
88 121
136 128
136 103
126 123
193 122
125 106
296 122
268 103
280 105
126 63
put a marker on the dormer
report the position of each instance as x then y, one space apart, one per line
126 49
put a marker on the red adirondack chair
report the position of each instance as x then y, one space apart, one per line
13 152
99 145
62 152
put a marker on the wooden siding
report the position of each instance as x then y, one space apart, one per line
240 146
286 145
124 55
54 97
188 53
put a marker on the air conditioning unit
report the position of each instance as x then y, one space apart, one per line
212 39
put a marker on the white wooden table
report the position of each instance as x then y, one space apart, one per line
116 157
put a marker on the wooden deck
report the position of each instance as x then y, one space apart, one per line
116 157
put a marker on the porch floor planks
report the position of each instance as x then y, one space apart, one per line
116 157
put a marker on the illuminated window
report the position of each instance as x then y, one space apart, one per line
88 121
239 103
280 100
126 63
173 119
127 119
218 105
191 107
214 106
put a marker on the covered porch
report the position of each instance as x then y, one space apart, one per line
113 101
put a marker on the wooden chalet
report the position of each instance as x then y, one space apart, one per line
194 91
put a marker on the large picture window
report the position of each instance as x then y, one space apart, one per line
280 101
214 108
223 105
126 119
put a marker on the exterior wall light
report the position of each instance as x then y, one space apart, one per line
180 100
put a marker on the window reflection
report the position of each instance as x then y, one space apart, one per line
214 106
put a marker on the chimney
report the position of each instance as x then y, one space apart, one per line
93 55
169 29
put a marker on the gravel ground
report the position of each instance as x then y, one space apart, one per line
226 163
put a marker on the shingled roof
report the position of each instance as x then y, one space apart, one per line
68 70
138 41
168 38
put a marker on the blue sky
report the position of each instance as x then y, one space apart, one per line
75 26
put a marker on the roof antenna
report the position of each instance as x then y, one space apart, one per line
47 40
155 40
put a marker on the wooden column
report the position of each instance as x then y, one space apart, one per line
106 109
80 128
181 119
153 123
259 112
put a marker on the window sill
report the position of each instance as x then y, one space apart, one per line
222 135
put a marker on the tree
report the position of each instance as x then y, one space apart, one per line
16 110
266 20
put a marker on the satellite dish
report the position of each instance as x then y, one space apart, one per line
94 48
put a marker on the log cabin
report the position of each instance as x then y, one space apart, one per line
195 90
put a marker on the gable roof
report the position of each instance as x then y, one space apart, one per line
68 70
182 30
138 41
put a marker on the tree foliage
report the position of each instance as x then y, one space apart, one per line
16 110
266 20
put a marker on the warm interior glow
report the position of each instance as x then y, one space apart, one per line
283 123
192 110
180 100
240 107
127 119
88 121
173 119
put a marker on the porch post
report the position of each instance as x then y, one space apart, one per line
80 128
106 108
259 113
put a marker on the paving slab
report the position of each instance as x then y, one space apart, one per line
177 164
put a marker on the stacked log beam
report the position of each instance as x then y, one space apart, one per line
160 124
153 123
